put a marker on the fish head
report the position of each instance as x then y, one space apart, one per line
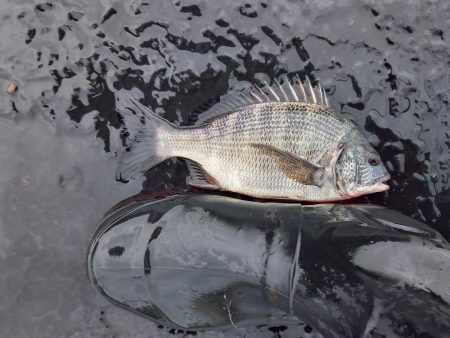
360 170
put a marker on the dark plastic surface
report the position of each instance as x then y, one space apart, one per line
207 262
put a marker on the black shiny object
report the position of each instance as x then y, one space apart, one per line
208 262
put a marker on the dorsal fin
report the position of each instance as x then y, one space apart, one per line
281 90
193 117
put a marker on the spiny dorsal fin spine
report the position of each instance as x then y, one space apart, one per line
294 94
321 96
272 91
264 94
255 96
300 84
311 90
287 91
326 98
281 90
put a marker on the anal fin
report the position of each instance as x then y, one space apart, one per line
198 177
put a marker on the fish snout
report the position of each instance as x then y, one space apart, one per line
384 178
380 173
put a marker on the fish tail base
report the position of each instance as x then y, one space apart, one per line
143 127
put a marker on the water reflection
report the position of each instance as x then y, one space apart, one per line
208 262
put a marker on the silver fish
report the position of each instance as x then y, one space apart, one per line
281 142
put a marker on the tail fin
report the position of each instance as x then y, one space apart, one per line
142 126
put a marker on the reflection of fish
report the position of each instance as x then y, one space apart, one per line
279 141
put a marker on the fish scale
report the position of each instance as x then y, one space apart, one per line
279 141
298 131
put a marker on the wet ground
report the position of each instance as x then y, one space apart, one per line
384 64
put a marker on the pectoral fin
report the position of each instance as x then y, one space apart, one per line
296 168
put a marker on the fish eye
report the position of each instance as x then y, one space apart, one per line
373 161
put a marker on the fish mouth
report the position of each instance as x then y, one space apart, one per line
380 186
383 178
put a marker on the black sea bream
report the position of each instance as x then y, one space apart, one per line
280 142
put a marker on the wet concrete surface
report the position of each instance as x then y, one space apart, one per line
385 64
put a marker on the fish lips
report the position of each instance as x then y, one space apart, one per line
380 186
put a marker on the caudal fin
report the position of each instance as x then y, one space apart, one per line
142 126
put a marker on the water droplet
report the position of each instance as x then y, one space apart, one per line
434 177
26 180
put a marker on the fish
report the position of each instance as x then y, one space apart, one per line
277 141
